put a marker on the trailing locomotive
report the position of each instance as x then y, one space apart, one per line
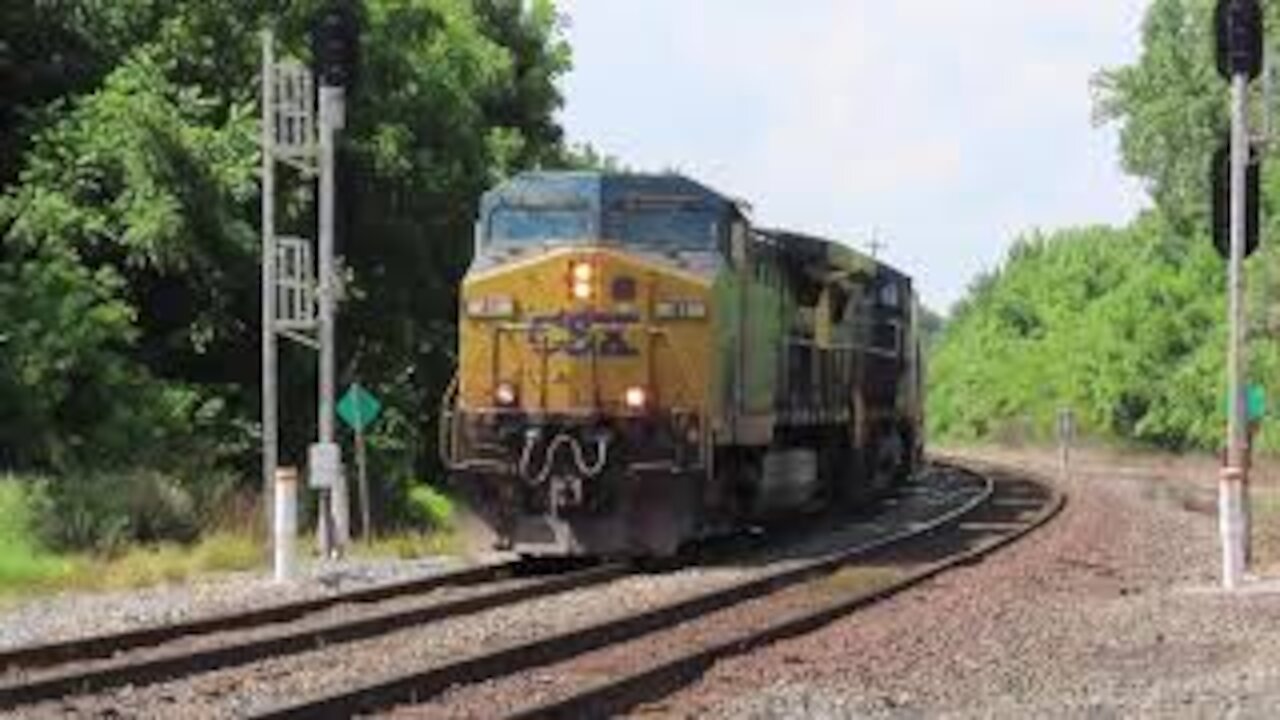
639 366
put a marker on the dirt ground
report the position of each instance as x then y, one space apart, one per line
1112 610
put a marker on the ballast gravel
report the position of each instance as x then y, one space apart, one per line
1112 610
77 614
268 683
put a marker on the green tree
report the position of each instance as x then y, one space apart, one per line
128 230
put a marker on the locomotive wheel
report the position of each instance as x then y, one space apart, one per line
887 460
839 470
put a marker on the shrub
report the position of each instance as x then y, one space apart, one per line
23 563
104 511
431 507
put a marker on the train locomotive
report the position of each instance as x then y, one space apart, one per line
639 365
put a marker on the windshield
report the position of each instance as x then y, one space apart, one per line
685 227
517 225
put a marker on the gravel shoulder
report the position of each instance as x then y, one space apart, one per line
77 614
1111 610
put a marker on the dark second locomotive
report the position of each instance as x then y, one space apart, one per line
639 366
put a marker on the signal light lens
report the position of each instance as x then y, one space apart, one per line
505 394
636 398
582 290
582 272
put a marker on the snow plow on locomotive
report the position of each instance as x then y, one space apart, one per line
639 366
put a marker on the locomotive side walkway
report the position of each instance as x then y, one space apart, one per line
1112 610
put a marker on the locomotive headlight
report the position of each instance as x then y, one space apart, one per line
636 398
505 394
581 277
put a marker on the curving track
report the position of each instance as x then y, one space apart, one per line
626 677
566 665
489 647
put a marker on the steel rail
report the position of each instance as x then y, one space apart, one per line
108 644
419 685
621 693
285 641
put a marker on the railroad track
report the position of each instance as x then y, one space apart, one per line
108 644
624 678
560 675
90 669
153 654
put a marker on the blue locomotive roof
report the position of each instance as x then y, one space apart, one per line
668 209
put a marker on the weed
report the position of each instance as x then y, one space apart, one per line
23 564
143 565
411 545
851 580
431 507
226 552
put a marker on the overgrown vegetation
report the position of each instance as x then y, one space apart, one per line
22 562
129 283
1126 326
28 563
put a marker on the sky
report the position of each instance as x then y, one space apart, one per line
943 127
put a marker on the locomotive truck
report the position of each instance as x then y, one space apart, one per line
640 365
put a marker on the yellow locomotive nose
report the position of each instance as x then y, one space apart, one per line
583 331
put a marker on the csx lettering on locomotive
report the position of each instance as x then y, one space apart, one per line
582 333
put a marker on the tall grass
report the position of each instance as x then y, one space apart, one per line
30 563
23 563
143 565
26 567
433 529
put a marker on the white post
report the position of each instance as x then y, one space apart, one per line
1234 476
331 109
286 524
270 420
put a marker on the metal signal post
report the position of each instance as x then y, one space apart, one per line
331 119
270 423
335 46
1232 483
1238 25
295 304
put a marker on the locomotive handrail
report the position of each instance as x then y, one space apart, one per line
446 435
590 470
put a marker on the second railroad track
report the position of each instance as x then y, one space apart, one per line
493 641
